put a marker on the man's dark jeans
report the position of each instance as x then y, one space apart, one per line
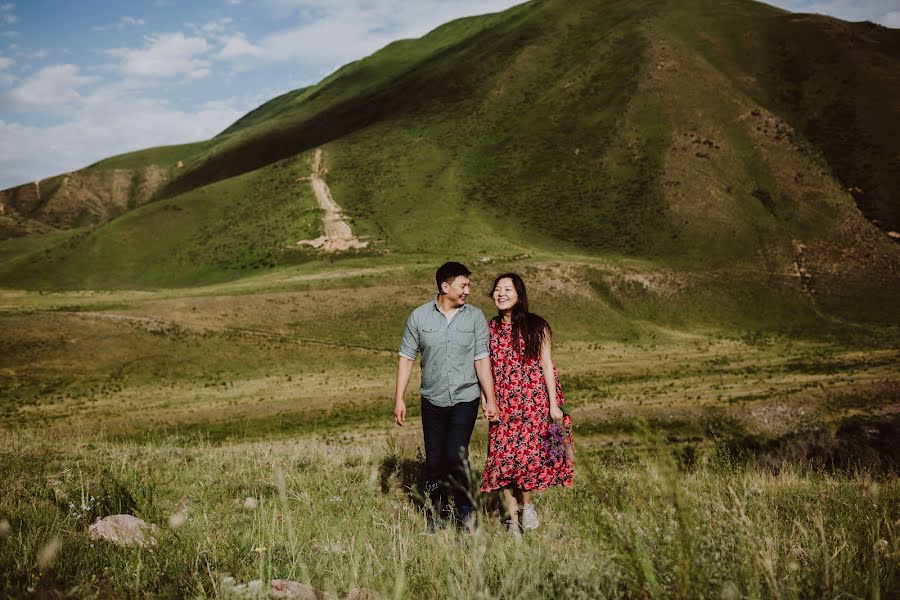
448 430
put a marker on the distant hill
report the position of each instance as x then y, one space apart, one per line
721 135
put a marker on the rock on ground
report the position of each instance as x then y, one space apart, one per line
124 530
294 590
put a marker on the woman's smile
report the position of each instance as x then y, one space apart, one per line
504 294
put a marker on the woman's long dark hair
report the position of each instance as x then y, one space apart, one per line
525 325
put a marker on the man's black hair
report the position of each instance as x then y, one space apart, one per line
448 272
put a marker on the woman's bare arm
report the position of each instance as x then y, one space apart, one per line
549 379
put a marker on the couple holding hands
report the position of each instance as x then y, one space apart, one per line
507 365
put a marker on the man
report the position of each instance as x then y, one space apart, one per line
453 339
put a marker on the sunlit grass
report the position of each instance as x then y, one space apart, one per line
634 524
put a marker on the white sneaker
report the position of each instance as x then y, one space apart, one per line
529 517
513 529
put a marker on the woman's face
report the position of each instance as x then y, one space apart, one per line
504 295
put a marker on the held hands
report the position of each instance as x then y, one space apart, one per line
491 412
399 412
556 413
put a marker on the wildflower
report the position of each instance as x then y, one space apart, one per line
555 443
336 548
730 591
874 491
177 520
47 554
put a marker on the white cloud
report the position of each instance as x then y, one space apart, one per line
891 19
848 10
26 53
117 111
165 56
217 26
104 127
236 46
6 64
6 15
335 32
122 24
54 88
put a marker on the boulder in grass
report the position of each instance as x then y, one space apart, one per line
124 530
285 589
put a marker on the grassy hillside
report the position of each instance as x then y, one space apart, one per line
229 228
836 83
661 132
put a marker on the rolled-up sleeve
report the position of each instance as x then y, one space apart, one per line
481 336
409 344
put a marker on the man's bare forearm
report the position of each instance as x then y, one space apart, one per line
404 372
485 378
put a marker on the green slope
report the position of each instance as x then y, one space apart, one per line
223 230
715 137
837 83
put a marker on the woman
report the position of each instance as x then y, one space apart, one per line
520 459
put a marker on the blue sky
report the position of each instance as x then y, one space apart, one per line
80 81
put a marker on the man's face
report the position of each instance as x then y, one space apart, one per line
457 290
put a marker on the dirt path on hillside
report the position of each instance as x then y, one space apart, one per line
338 235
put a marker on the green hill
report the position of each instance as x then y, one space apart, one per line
723 138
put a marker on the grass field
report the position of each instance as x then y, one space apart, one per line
716 462
698 194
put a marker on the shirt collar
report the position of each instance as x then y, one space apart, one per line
438 308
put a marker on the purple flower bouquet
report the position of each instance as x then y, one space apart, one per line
558 443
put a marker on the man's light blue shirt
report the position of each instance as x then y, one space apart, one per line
449 351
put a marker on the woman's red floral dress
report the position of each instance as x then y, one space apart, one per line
517 450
